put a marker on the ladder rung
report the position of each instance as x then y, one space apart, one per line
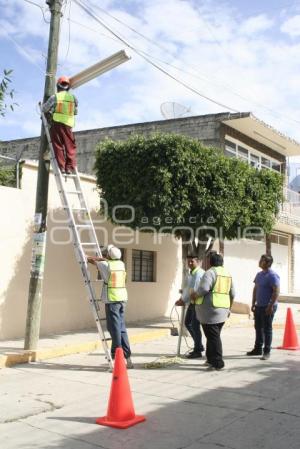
106 339
83 226
75 208
88 244
75 192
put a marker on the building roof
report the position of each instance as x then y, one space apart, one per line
256 129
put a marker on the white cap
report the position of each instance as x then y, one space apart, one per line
113 252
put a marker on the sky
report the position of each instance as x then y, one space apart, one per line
242 55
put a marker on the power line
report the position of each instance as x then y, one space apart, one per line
69 34
131 29
125 42
147 56
92 29
22 50
40 7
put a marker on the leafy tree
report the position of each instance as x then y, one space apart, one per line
7 176
175 184
6 93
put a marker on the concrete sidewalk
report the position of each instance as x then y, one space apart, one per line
250 404
12 352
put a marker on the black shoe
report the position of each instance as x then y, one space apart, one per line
215 368
266 356
194 355
129 363
254 352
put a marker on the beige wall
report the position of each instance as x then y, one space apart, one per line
65 305
241 259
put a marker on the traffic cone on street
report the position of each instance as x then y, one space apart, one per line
120 411
290 339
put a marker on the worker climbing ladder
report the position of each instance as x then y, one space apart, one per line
92 245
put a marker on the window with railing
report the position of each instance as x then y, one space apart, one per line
143 266
250 156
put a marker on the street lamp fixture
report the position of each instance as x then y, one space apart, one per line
98 69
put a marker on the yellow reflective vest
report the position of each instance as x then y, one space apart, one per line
220 293
64 110
116 290
221 289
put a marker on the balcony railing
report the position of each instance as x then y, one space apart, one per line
291 206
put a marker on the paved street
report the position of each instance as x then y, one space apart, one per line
251 404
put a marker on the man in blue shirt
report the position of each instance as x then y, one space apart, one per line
264 305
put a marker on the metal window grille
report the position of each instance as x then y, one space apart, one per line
142 266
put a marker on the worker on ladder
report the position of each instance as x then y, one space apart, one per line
114 295
62 107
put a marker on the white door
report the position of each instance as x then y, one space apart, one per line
280 253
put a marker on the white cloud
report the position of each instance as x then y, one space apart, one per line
226 53
255 24
291 26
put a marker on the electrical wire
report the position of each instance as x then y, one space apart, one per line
132 29
149 58
180 330
92 29
197 76
41 8
161 69
69 34
22 50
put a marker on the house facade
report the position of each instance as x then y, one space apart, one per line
238 135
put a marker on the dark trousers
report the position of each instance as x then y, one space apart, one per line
64 146
115 320
263 328
193 326
214 350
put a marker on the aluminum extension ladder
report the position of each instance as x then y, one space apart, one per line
75 228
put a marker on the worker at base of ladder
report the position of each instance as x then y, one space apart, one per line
114 295
60 110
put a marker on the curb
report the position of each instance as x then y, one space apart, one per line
9 359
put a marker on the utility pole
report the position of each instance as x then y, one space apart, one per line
40 220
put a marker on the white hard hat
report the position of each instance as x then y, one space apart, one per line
114 252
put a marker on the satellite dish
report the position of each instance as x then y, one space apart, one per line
170 110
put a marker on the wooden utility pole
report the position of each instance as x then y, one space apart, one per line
40 220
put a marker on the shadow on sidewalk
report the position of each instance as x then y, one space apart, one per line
209 411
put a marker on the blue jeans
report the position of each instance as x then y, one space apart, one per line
263 328
115 320
193 326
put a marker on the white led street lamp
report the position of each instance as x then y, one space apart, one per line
98 69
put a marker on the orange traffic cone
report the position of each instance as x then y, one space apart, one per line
290 339
120 411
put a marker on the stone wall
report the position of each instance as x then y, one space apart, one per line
207 128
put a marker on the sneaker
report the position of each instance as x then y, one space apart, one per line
265 356
194 355
254 352
129 363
